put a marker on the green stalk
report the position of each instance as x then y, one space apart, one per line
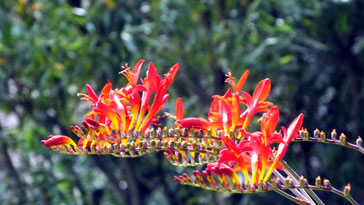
295 175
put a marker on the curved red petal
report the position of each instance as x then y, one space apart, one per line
179 109
241 81
262 90
194 123
91 93
57 140
293 128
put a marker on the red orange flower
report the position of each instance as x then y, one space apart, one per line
256 103
117 111
57 140
288 135
253 151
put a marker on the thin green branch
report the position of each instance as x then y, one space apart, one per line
321 137
290 197
296 176
294 191
222 182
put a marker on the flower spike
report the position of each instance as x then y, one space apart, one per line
117 112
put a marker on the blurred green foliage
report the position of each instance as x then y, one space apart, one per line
312 50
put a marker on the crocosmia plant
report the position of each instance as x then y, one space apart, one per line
238 159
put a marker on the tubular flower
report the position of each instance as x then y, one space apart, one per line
237 87
196 123
116 112
58 140
256 103
251 152
254 153
225 113
288 135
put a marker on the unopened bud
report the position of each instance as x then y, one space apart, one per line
152 134
333 134
347 190
165 143
287 182
342 139
192 133
178 132
178 144
306 134
184 145
260 186
359 141
127 146
152 143
327 183
132 145
300 133
316 133
302 181
209 132
194 145
318 181
171 132
171 144
158 144
141 145
105 149
323 136
165 132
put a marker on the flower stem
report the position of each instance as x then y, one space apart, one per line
288 196
349 145
294 191
295 175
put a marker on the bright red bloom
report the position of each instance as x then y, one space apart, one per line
179 109
117 111
254 151
256 103
225 112
288 135
59 140
239 86
194 123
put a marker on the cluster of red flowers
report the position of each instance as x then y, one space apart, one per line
248 152
127 109
117 111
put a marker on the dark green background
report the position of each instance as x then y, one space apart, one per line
313 52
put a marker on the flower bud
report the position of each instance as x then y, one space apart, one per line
178 132
359 141
153 143
141 145
306 134
318 181
184 145
342 139
323 136
327 183
165 132
171 144
347 190
302 181
316 133
300 133
151 132
287 182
